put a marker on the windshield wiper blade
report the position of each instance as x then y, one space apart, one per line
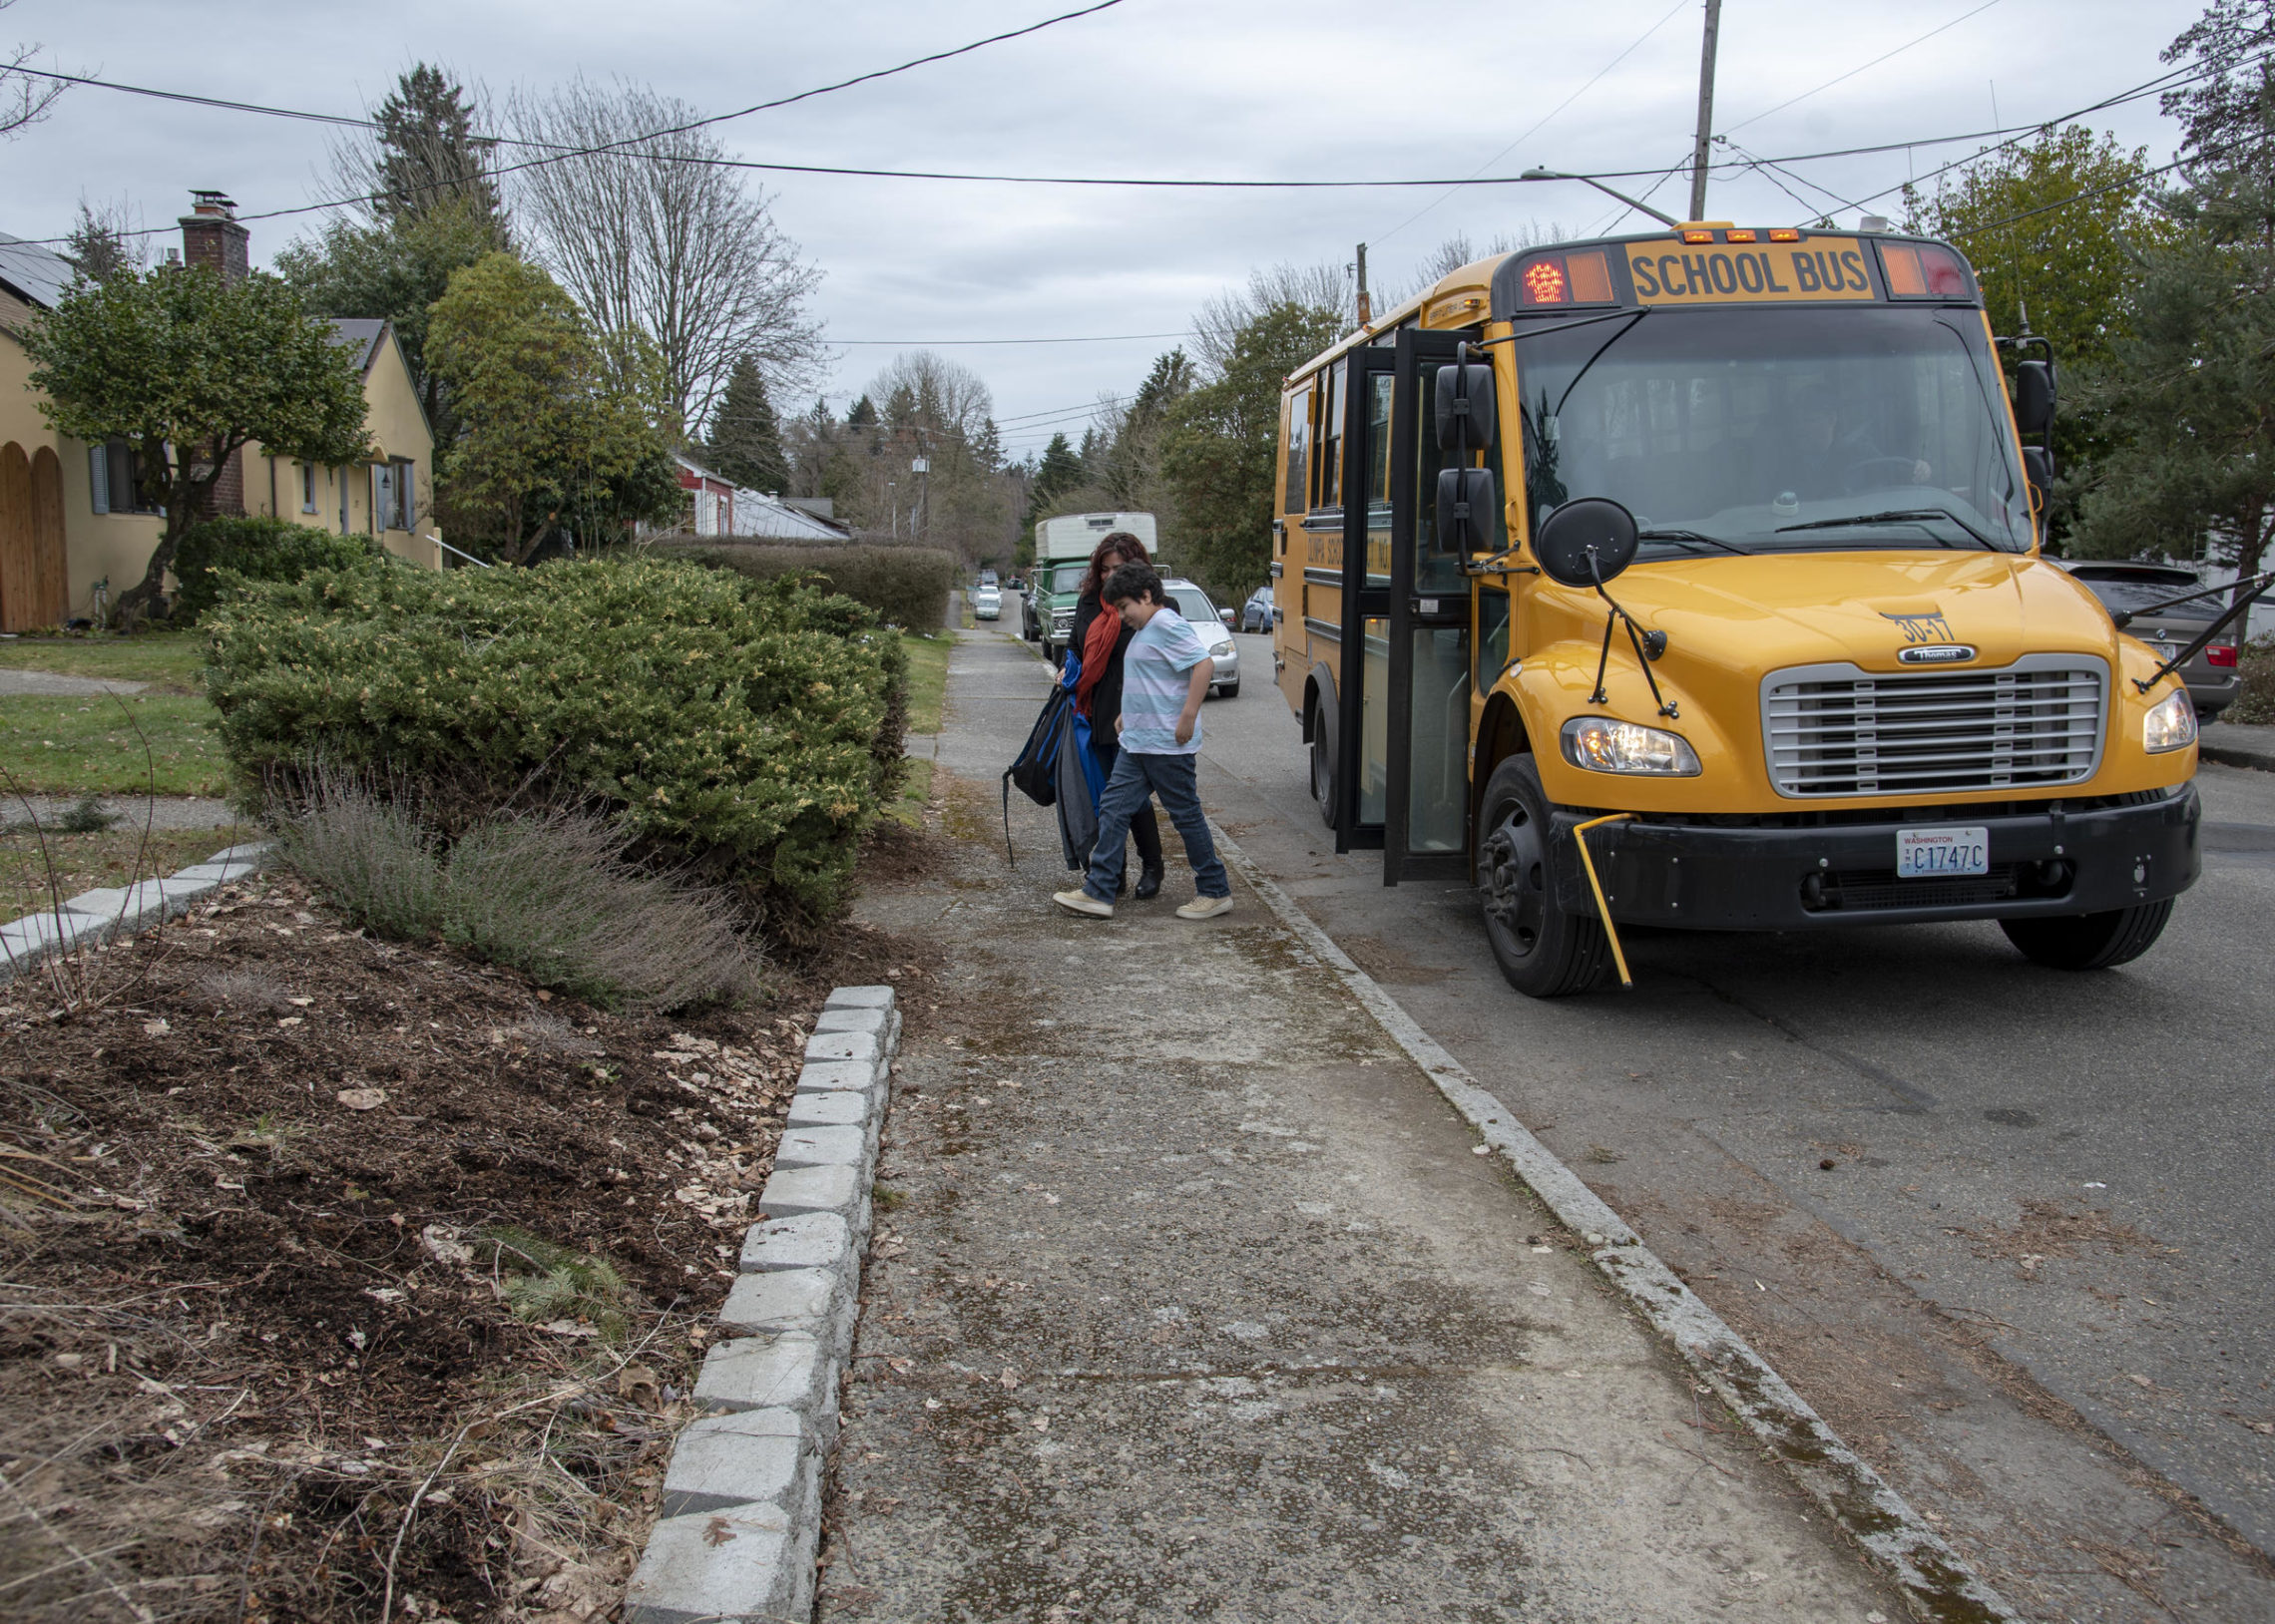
1692 536
1909 515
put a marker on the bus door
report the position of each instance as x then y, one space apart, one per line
1362 682
1412 676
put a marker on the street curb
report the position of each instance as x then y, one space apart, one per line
97 915
1935 1579
2256 757
741 1529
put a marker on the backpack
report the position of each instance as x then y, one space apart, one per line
1061 735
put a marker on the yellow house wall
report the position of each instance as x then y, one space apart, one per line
97 547
272 485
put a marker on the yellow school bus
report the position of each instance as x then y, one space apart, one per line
1693 580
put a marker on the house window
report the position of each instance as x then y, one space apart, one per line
307 487
113 478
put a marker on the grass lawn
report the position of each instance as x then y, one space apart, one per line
87 746
916 790
927 678
86 862
168 658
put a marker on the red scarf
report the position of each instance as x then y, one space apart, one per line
1098 653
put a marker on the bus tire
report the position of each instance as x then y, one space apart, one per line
1323 759
1543 952
2089 940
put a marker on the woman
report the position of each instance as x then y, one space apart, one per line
1101 638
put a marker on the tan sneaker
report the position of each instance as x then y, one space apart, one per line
1206 908
1082 902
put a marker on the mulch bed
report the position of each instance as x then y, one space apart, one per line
348 1279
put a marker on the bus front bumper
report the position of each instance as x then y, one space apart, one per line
1750 877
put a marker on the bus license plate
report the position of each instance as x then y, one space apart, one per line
1932 854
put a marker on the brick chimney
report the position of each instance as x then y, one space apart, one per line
212 237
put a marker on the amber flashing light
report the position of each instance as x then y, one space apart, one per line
1784 233
1591 275
1697 237
1740 237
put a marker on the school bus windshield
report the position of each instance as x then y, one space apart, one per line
1777 430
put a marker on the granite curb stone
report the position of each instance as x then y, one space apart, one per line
742 1511
116 910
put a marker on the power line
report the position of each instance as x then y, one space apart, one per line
1853 72
1542 122
936 344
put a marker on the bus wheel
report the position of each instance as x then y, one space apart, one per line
1543 952
1323 762
2089 940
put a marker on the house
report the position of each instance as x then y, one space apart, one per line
72 524
723 509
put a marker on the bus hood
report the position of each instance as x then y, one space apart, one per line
1759 614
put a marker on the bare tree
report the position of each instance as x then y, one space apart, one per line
24 97
1327 287
652 235
106 241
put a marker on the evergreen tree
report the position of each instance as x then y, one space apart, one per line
429 154
745 436
96 245
1061 471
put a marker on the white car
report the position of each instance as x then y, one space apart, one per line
986 604
1214 630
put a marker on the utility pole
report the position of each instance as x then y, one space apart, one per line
1366 304
1705 111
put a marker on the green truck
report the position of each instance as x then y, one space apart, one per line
1062 547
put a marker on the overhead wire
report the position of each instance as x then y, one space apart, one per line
1853 72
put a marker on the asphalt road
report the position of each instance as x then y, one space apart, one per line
2032 1285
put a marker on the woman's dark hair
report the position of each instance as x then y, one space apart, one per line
1132 551
1131 580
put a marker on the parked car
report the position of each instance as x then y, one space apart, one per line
2212 676
1256 613
1214 626
988 577
986 604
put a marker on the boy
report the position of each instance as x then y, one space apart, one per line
1165 676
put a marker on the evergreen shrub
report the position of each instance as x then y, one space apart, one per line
254 549
744 734
907 586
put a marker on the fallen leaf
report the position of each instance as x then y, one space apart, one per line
361 1099
639 1385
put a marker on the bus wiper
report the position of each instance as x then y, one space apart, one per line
1692 536
1908 515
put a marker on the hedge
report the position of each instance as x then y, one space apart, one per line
907 586
254 549
746 731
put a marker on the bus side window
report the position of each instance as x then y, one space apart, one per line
1298 451
1492 636
1330 473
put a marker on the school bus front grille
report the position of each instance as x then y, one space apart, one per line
1842 730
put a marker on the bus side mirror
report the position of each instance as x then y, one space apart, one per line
2034 398
1465 401
2037 464
1464 506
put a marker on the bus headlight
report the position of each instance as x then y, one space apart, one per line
2170 725
1601 744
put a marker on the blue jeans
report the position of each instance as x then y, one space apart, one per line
1136 779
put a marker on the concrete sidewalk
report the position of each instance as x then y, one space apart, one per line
1192 1300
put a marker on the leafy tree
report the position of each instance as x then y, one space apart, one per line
1218 453
187 369
395 271
746 435
558 427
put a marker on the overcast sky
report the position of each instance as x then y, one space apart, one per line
1279 89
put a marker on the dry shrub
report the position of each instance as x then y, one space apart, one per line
551 894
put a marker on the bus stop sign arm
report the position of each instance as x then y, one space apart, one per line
1635 204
